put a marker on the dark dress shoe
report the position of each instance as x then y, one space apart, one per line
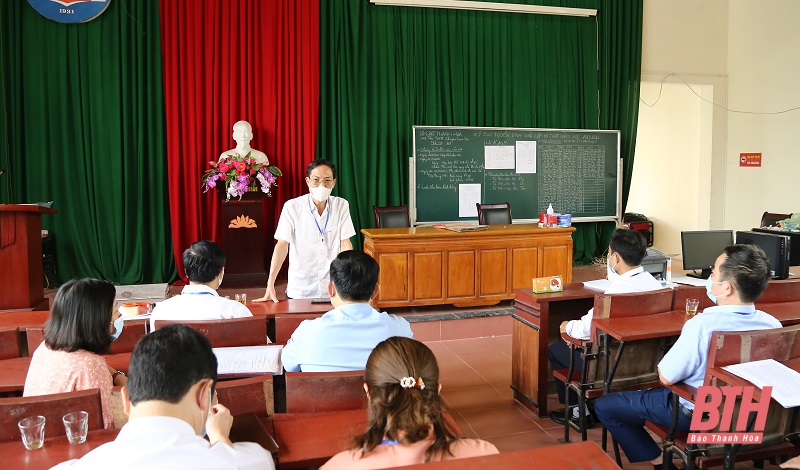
558 417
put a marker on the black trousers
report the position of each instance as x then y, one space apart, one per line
558 355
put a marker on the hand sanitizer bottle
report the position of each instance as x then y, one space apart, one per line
551 218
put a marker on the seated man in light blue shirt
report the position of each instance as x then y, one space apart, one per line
740 276
343 338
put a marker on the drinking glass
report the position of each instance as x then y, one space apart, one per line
77 425
32 430
691 307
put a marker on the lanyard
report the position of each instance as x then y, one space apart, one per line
321 229
388 442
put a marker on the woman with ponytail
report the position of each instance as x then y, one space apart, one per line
406 420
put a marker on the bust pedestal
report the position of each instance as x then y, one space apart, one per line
243 233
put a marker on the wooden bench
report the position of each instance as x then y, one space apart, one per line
225 333
53 408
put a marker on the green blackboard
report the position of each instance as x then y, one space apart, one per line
454 167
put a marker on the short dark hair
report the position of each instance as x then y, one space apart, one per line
316 163
354 274
203 261
81 316
630 244
166 363
747 268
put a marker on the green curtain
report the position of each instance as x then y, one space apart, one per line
620 57
385 69
83 125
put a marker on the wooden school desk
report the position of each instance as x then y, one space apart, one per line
246 428
285 316
14 371
536 320
310 439
580 456
433 266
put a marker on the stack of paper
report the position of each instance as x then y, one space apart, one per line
462 227
785 382
249 359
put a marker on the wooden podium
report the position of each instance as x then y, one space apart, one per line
21 257
243 235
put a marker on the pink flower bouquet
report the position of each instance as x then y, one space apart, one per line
240 175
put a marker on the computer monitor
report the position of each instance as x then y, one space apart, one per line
777 248
700 249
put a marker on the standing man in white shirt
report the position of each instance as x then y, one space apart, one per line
169 399
626 250
343 338
204 262
312 230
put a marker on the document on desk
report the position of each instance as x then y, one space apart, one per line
692 281
785 381
244 359
599 284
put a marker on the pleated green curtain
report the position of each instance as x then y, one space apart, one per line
385 69
82 124
620 57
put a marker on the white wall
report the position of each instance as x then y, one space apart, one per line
673 147
746 51
764 66
680 146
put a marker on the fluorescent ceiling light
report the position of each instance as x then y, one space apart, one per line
489 6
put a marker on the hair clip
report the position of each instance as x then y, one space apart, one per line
409 382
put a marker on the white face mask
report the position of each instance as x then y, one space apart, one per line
610 270
205 415
320 193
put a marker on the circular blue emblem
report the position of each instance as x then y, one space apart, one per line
70 11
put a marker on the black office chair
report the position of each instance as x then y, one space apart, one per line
771 218
494 214
391 217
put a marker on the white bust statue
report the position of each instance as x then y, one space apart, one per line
243 134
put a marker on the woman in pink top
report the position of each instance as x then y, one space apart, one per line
82 324
406 420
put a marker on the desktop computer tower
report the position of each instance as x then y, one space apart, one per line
777 248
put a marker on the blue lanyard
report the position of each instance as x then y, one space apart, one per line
199 293
388 442
321 229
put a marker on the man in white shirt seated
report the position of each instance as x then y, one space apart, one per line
626 250
204 263
168 398
740 275
343 338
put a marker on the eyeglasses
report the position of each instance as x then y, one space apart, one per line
315 182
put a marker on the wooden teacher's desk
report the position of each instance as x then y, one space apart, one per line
433 266
536 321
